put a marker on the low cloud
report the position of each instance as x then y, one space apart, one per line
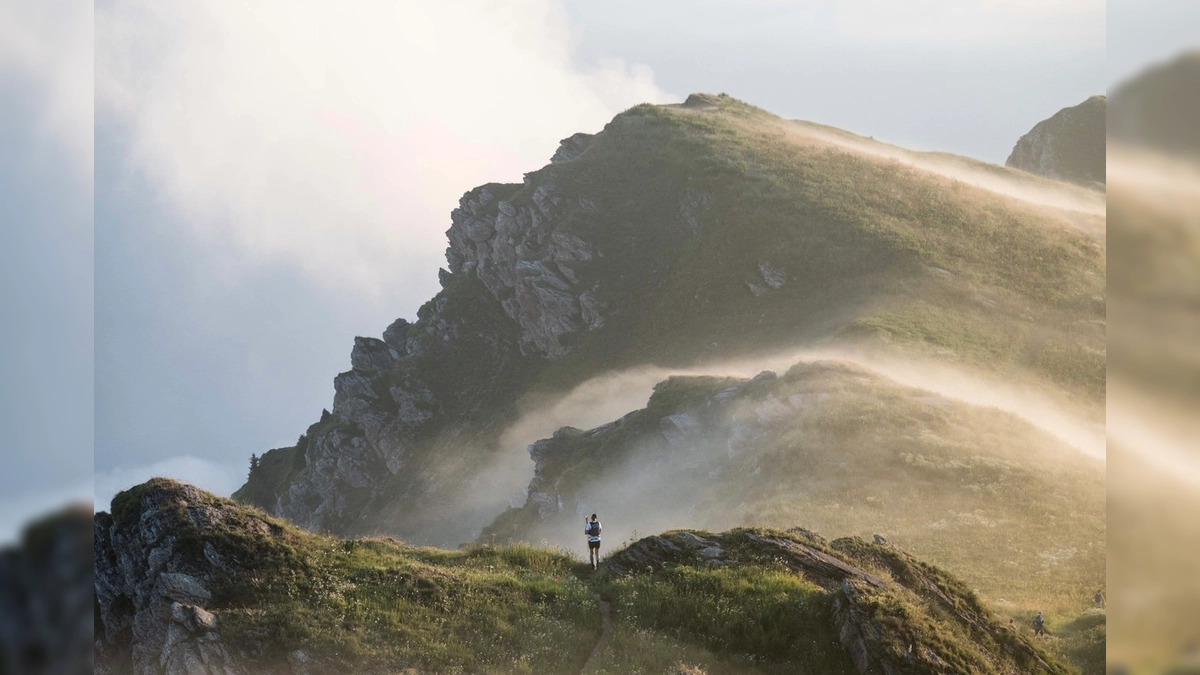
338 139
219 479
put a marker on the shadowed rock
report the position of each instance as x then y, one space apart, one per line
1069 146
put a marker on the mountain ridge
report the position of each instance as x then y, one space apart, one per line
753 237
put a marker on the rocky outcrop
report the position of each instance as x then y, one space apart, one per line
874 617
45 594
159 560
1069 146
768 278
571 147
536 271
518 283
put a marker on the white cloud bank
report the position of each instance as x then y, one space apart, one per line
337 137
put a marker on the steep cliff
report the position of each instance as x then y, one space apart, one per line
1068 146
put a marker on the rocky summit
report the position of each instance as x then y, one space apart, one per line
1068 146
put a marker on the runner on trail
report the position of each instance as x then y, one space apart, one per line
592 529
1039 624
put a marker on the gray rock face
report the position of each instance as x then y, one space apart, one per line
1069 146
396 336
153 592
537 272
45 596
571 147
694 209
371 355
769 278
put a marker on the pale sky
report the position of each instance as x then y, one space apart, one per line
272 179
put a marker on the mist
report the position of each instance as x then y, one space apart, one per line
608 397
1008 182
715 471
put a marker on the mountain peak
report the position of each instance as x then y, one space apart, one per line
1069 146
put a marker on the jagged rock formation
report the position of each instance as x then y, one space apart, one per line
1068 146
876 619
536 272
571 147
158 561
45 591
518 284
676 235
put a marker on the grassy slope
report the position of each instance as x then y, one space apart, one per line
1018 515
1155 574
382 606
857 236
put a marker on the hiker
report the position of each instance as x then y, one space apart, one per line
592 530
1039 625
1098 600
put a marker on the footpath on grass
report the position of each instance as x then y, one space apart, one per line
605 635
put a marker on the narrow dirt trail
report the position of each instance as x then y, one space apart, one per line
605 635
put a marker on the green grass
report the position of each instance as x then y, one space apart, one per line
368 603
768 612
378 605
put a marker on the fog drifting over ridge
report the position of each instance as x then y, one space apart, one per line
343 161
609 396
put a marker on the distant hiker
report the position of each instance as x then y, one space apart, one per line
881 540
1098 600
1039 625
592 529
